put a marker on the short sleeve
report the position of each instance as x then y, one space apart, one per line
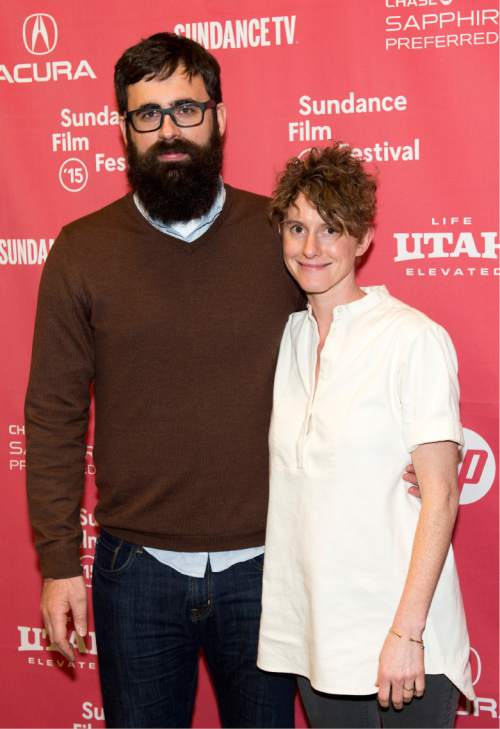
429 390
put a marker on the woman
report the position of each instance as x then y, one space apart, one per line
358 574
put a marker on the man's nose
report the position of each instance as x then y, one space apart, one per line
168 129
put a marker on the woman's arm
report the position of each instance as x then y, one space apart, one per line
401 660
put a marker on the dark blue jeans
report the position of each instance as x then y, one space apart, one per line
151 623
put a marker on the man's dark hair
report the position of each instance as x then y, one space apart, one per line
158 57
336 183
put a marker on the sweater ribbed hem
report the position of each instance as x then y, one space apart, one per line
190 543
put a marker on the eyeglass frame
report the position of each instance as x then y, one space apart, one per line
170 111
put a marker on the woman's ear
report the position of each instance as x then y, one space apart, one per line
365 242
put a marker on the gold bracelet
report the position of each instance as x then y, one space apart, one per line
413 640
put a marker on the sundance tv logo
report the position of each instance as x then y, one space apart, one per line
477 469
241 32
40 35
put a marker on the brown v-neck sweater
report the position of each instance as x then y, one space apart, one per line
180 342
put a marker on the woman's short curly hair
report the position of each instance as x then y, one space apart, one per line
336 183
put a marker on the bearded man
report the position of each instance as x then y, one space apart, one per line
170 303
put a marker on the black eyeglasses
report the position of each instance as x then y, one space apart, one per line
149 118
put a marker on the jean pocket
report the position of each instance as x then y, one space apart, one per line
256 563
114 555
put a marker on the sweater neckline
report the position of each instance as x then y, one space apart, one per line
188 248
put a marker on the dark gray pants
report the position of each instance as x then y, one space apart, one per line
436 708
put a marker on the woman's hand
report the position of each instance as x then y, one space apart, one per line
401 661
401 671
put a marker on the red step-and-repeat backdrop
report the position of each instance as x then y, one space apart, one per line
411 84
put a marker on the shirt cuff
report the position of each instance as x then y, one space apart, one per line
415 434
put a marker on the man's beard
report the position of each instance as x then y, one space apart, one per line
176 191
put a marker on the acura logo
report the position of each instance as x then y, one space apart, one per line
40 34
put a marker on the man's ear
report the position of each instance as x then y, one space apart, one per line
365 242
123 129
221 117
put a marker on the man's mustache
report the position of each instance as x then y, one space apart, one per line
177 145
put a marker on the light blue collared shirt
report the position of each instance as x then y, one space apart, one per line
192 229
194 564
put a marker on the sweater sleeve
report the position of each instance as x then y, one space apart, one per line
56 413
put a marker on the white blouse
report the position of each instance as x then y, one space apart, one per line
341 524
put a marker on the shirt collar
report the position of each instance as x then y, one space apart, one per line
192 229
373 295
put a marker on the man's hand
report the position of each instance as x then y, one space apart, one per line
59 598
410 476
